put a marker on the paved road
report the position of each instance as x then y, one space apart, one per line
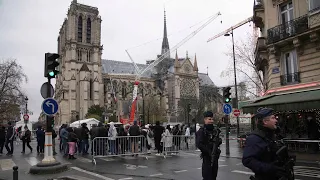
185 166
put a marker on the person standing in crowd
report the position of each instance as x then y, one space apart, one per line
204 141
40 140
134 130
187 135
259 154
26 139
84 138
72 141
54 136
2 138
64 139
112 134
9 139
158 130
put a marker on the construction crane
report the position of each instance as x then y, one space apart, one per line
231 28
159 59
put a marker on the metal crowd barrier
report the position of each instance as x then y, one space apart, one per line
174 144
118 146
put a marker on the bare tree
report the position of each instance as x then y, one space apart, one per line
153 110
245 66
11 95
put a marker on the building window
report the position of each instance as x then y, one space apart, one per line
89 56
63 95
90 89
314 5
88 30
80 29
289 67
79 54
286 12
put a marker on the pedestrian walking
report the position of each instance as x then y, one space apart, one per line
26 139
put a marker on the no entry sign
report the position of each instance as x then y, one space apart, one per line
236 112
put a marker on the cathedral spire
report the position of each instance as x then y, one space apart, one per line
195 64
176 61
165 43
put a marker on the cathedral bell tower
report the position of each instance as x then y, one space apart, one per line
79 85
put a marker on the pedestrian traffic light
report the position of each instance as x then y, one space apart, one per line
226 94
51 64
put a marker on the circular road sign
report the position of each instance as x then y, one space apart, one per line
236 112
26 117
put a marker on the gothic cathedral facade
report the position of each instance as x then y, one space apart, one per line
86 79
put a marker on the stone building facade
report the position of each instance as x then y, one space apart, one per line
287 53
86 79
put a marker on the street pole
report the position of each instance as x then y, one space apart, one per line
226 120
25 122
235 83
48 151
143 107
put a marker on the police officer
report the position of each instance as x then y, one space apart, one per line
259 154
204 141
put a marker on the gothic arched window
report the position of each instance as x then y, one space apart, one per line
80 29
88 30
79 55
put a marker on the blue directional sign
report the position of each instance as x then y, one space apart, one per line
227 109
50 106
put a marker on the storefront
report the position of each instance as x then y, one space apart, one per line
298 113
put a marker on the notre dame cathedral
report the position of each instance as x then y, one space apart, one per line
173 91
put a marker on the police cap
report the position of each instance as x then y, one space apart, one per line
263 112
208 114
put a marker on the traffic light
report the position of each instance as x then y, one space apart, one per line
226 94
51 64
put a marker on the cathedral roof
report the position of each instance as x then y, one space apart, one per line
205 80
121 67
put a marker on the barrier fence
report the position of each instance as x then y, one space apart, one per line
177 143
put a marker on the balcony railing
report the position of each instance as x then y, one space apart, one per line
288 29
290 78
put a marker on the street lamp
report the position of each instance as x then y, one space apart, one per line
235 80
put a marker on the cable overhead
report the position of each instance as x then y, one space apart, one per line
176 32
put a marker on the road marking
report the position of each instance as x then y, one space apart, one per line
180 171
305 167
222 165
243 172
152 175
6 164
126 178
77 177
222 160
91 173
199 168
85 160
238 164
32 160
107 159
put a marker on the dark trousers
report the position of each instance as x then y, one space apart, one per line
1 145
10 150
209 172
158 145
40 147
24 145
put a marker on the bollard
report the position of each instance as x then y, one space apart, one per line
15 172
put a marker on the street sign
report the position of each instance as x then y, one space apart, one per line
50 106
26 117
227 109
236 112
44 90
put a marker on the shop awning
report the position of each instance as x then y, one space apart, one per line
304 100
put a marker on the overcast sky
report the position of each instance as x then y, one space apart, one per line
29 28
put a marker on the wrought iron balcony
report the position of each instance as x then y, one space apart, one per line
288 29
287 79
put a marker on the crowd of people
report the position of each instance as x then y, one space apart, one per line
110 139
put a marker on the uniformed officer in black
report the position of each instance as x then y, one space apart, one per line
259 154
204 142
